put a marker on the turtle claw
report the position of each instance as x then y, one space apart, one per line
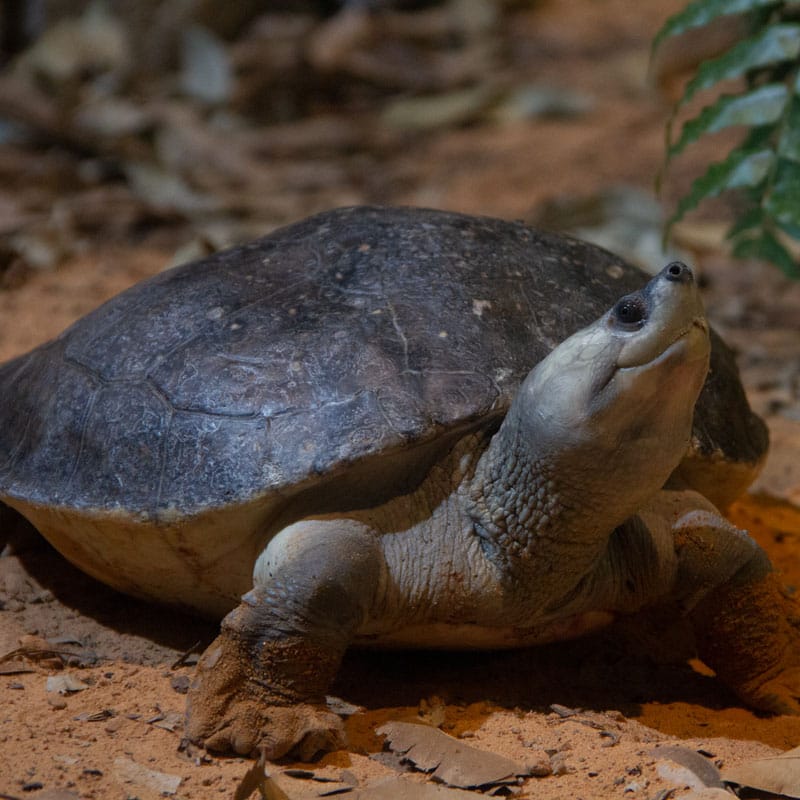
251 729
779 694
230 710
304 732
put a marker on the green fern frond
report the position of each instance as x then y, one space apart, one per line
765 246
702 12
773 45
763 105
789 142
741 168
765 166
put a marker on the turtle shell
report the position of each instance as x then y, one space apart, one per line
354 345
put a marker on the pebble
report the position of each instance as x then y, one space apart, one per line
180 683
538 763
558 764
540 767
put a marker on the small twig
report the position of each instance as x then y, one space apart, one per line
563 711
665 794
16 670
181 660
611 736
34 654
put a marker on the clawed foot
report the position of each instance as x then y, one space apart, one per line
778 695
249 729
750 635
228 711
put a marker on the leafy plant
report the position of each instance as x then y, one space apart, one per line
765 167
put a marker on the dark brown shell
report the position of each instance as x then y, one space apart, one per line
354 333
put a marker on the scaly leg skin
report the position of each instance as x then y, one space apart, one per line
748 632
260 687
252 696
746 628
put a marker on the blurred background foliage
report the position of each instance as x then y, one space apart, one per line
118 116
236 116
754 85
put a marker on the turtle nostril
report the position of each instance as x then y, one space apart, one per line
679 272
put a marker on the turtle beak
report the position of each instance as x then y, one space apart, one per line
667 318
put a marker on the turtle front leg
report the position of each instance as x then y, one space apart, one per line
260 686
746 628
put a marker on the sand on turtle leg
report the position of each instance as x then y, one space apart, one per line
260 686
746 628
748 632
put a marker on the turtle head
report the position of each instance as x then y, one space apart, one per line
617 398
599 425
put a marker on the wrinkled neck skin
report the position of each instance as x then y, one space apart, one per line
544 513
544 501
595 430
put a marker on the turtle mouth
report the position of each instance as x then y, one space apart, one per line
692 338
689 344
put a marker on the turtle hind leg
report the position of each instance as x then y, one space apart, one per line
260 687
746 628
748 632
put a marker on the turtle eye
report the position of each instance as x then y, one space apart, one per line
630 313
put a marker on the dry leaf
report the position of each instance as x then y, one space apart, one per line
57 794
341 707
65 683
206 73
450 760
95 716
780 478
170 721
777 774
129 772
326 785
445 110
65 639
707 794
15 668
95 41
112 117
257 779
165 192
537 101
404 789
699 766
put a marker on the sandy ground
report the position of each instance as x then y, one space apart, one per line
127 654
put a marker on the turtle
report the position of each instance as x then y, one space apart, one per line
399 427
